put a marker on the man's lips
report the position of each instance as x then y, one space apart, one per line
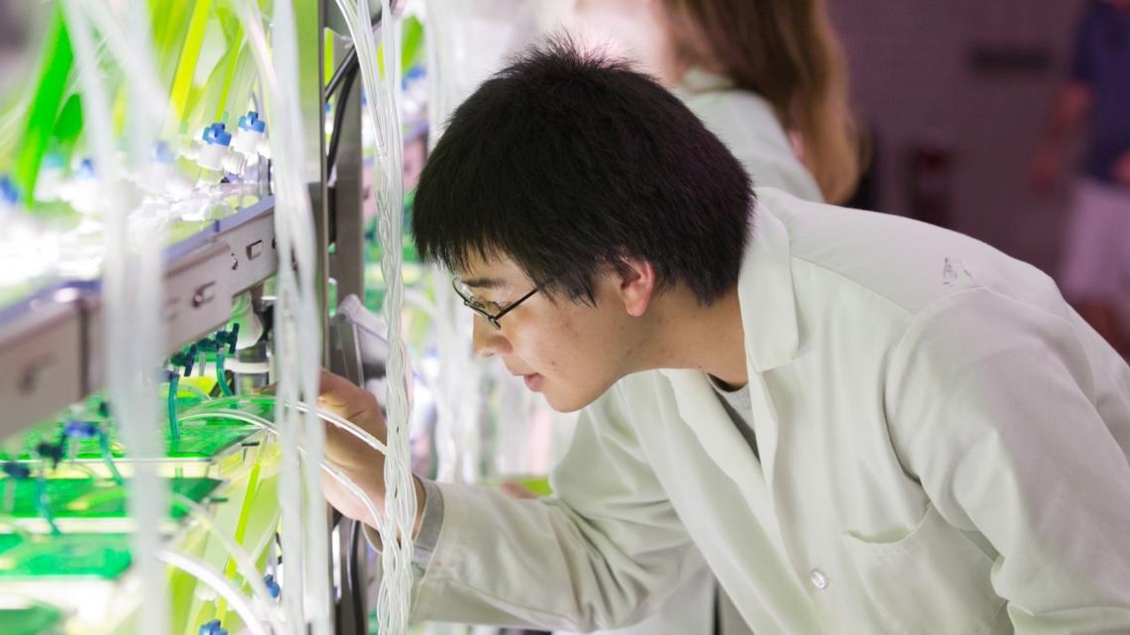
533 380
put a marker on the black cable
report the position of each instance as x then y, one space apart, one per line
351 56
342 83
348 557
339 73
355 582
350 75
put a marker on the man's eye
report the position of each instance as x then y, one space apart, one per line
486 305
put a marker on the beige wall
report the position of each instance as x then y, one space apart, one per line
912 80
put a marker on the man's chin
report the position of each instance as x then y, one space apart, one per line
566 409
567 403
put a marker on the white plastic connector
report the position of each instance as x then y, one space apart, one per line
251 136
249 142
235 163
212 156
216 152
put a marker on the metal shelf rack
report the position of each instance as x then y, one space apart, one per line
51 346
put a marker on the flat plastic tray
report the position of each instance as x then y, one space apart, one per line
31 621
102 556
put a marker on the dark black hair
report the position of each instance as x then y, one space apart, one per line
567 161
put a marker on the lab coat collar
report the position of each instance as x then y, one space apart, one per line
765 294
697 80
768 306
701 410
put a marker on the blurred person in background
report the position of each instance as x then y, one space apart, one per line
767 76
1096 265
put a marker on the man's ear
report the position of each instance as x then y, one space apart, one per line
637 283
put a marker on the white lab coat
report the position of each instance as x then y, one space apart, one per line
746 123
943 449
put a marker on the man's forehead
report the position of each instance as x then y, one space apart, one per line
490 273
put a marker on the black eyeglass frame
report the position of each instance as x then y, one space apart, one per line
478 308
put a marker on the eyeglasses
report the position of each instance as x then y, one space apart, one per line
483 308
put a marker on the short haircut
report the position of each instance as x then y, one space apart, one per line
566 162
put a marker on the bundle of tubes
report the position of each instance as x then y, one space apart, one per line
132 268
305 537
230 408
458 444
396 524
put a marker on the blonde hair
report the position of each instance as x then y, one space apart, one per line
787 52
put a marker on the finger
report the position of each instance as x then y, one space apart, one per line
335 390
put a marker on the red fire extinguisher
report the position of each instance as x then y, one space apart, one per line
930 178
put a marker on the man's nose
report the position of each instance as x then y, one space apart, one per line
486 340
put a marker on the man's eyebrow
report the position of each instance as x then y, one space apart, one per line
484 283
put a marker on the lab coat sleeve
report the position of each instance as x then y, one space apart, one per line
430 522
992 405
603 553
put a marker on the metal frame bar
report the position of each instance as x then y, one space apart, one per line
347 263
310 21
40 360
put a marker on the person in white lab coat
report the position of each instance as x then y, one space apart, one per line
763 75
917 434
719 56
